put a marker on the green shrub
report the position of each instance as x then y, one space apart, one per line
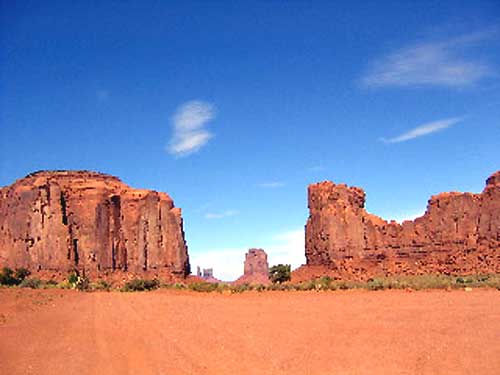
78 282
241 288
139 285
325 282
273 287
10 277
65 285
73 278
31 283
280 273
177 286
82 284
180 286
260 288
22 273
7 277
101 285
203 287
307 285
375 284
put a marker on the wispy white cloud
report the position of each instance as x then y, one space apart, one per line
271 184
221 215
442 63
425 129
287 248
189 123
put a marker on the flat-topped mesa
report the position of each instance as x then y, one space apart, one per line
63 220
459 233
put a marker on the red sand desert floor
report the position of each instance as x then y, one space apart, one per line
170 332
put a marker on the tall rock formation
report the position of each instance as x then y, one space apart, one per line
459 233
256 268
63 220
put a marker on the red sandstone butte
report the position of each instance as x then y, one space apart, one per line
256 269
458 234
92 222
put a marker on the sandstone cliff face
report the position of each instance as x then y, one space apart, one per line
63 220
256 268
459 233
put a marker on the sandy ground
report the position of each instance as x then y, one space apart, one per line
170 332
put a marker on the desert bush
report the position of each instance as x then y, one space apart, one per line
100 285
31 283
280 273
260 288
75 281
273 287
65 285
325 282
203 287
10 277
493 281
280 287
223 287
346 285
7 277
73 278
306 285
139 285
22 273
177 286
377 284
241 288
82 284
429 282
51 283
180 286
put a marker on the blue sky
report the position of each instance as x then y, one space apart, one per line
233 108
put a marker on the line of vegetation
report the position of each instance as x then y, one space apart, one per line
420 282
19 278
140 285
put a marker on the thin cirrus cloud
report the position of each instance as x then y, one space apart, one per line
424 129
450 63
189 123
221 215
